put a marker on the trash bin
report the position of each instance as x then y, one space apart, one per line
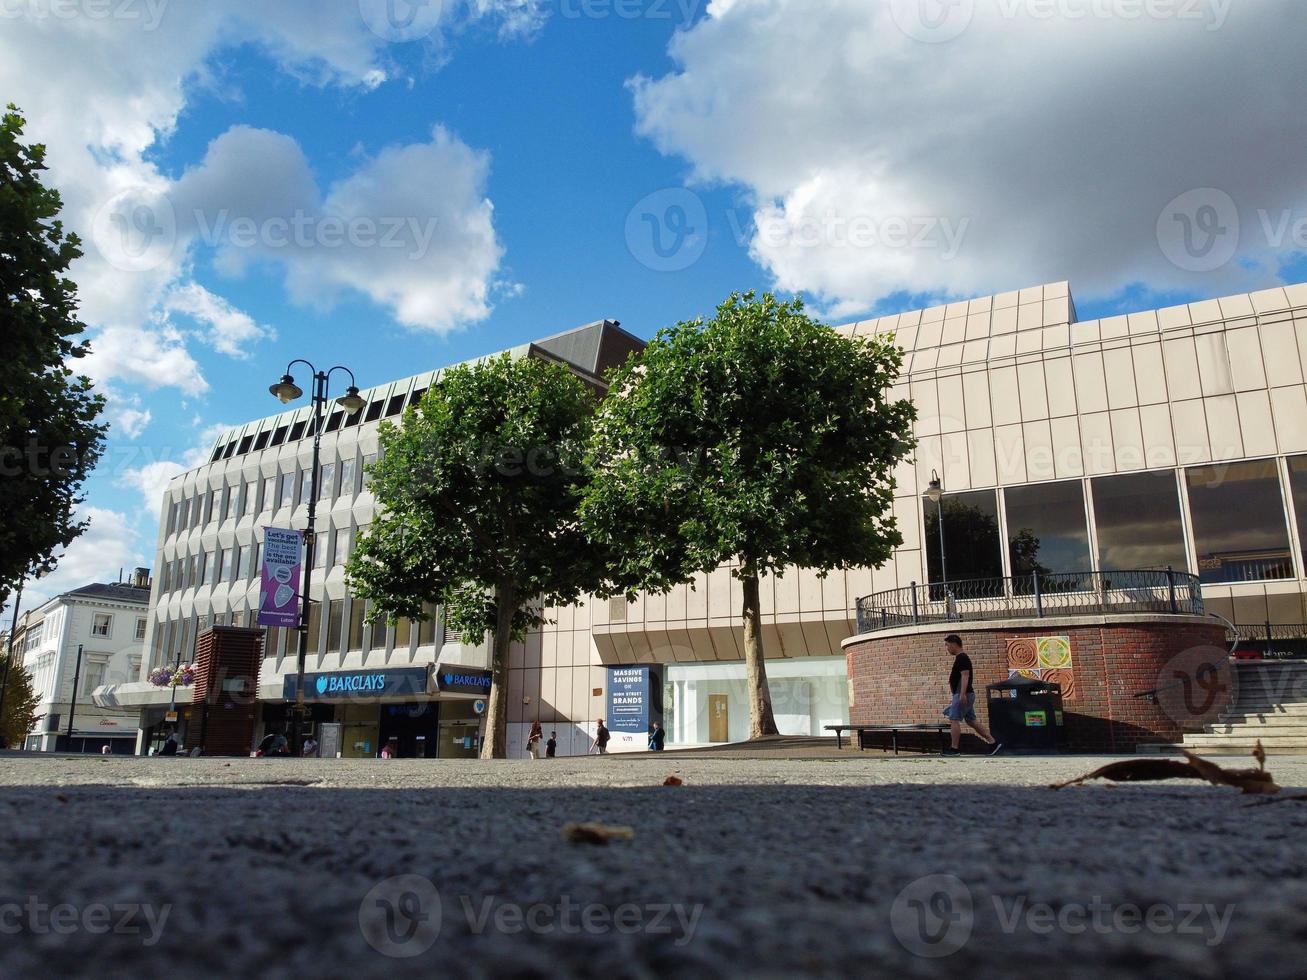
1026 714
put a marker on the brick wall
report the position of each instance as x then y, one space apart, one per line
902 677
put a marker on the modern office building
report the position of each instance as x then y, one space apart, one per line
107 623
1173 437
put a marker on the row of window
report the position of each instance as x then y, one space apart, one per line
351 629
287 489
271 438
1236 514
238 563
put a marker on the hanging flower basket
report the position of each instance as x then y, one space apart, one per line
183 676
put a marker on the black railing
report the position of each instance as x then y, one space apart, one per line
1035 596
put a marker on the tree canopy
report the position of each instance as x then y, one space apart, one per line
759 439
477 494
48 414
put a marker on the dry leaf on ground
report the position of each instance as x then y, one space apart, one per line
673 781
1250 781
595 833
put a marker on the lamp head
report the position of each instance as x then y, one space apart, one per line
350 401
935 489
286 390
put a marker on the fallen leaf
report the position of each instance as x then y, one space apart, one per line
1136 770
595 833
1247 780
673 781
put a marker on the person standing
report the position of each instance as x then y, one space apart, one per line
551 747
962 706
657 738
602 737
169 745
310 747
534 739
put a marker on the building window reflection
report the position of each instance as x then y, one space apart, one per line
1240 534
972 548
1046 529
1298 487
1137 517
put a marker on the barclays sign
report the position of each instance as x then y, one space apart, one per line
455 679
401 682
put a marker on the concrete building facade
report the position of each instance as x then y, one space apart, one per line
1173 437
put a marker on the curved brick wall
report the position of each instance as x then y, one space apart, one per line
901 676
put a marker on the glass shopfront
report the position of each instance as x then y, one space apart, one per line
1240 532
1137 518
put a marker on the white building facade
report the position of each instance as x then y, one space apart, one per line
107 623
1167 438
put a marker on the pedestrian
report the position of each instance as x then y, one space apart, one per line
551 747
391 749
657 738
962 706
310 747
274 743
602 737
104 749
169 745
534 739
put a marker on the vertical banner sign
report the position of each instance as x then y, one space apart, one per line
279 603
634 696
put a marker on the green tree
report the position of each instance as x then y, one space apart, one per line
51 438
477 495
760 439
20 702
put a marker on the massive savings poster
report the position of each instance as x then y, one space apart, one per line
279 592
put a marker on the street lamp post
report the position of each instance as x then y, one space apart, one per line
935 493
9 659
286 390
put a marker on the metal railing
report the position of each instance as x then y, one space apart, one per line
1033 596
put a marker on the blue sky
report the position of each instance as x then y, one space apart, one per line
864 155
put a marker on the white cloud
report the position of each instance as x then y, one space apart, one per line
227 329
1054 144
108 545
151 479
153 358
127 418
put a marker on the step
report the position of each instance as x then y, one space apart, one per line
1244 743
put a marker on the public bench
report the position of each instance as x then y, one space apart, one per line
866 732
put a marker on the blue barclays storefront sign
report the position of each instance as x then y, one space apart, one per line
453 679
399 682
635 699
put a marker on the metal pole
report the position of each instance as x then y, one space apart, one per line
943 568
9 659
1039 598
1170 581
175 667
72 708
297 713
915 617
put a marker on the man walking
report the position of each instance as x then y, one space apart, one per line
602 737
962 707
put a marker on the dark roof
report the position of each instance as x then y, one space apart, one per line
594 348
117 591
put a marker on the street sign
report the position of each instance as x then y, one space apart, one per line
170 717
479 706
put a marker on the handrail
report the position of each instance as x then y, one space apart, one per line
1035 595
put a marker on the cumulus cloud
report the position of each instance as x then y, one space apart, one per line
151 478
225 328
998 143
108 545
152 358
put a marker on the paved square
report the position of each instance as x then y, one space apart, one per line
878 865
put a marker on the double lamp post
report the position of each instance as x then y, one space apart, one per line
286 390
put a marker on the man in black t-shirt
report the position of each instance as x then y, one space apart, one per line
962 707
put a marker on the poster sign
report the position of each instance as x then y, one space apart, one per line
634 699
279 591
453 679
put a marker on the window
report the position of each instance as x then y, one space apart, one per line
1240 534
972 548
202 573
286 493
403 633
238 617
305 487
335 613
297 430
279 436
93 672
427 628
242 570
368 460
395 405
327 482
347 478
102 625
212 505
230 503
357 616
141 624
1137 516
320 542
1046 529
1298 487
341 551
267 492
315 627
183 509
221 564
172 517
374 410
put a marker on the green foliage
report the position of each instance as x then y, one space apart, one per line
50 436
18 715
761 437
477 495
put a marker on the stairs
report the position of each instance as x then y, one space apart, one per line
1270 705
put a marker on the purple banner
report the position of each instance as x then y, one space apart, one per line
279 598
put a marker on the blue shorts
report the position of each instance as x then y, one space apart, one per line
962 708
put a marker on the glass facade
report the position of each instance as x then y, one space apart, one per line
1137 520
972 543
1240 534
1298 487
1047 530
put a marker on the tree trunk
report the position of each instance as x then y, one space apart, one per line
495 744
761 720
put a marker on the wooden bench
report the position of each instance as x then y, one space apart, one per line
865 731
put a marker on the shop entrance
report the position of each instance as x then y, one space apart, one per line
410 729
